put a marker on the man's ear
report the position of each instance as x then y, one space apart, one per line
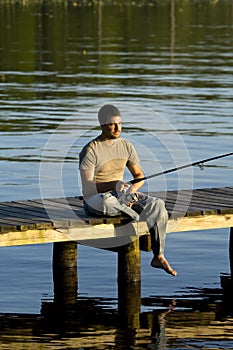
103 127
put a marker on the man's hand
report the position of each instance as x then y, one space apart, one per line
126 194
122 187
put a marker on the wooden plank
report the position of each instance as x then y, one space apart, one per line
72 202
210 206
225 211
199 203
210 198
192 210
219 194
218 197
225 191
6 227
37 210
57 203
37 206
9 225
179 204
82 233
199 198
89 232
21 213
53 207
192 206
24 224
24 220
201 222
36 236
17 207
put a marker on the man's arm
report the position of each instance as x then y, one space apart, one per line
91 187
137 173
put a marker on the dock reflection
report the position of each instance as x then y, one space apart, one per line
200 315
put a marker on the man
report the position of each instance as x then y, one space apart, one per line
102 166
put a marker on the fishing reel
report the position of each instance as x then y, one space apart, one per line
127 198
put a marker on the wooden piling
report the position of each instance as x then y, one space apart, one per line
231 251
129 264
129 284
65 276
227 281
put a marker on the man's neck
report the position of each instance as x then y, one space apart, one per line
107 139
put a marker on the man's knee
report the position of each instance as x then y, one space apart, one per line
163 204
160 206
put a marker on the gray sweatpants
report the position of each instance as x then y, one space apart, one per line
147 208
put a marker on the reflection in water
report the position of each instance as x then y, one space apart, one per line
164 323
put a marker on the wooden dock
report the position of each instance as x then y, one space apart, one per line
62 221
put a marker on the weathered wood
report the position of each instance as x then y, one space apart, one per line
129 283
62 219
79 231
129 264
65 275
200 222
231 251
35 236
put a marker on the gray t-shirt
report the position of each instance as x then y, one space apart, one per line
107 159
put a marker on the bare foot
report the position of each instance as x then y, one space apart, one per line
161 263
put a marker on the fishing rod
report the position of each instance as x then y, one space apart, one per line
200 163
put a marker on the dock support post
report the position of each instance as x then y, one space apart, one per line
129 284
227 281
65 276
231 251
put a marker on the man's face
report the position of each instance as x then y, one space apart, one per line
112 130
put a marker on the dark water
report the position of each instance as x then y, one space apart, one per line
168 65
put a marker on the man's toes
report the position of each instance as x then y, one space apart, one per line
162 263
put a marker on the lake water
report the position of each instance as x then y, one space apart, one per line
168 66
